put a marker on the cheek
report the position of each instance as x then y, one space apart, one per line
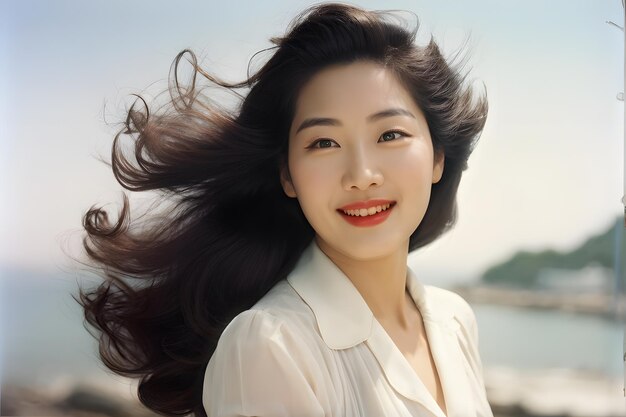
314 181
413 166
412 174
314 193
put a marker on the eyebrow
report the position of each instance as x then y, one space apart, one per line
327 121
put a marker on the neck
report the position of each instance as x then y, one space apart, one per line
381 282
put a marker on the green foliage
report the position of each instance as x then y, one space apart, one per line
522 269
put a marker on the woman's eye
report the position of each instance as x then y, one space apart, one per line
387 136
324 143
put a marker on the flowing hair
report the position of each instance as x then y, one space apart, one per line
173 279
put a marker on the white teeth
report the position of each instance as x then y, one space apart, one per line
367 212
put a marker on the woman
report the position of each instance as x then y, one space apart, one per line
278 284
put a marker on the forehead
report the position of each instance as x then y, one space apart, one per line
354 89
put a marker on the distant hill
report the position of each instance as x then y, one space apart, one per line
522 269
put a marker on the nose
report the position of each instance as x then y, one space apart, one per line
361 171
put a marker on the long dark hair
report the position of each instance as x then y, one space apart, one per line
175 278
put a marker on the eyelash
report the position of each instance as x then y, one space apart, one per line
312 145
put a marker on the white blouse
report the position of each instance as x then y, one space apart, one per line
312 347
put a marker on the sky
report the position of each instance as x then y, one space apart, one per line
547 172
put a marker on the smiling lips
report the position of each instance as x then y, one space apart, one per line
367 213
366 204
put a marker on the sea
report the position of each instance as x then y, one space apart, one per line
44 339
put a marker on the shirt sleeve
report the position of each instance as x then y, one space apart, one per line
261 368
469 327
474 339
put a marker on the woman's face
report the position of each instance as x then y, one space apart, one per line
358 135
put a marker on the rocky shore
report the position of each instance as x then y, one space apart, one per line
511 393
601 304
554 392
72 399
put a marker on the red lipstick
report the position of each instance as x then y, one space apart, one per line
369 220
357 205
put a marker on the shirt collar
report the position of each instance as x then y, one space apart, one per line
342 315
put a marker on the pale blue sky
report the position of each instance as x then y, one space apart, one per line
546 173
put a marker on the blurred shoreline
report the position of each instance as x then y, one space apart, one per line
553 392
73 397
511 393
608 306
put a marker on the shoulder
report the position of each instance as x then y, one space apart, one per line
256 329
262 366
281 300
253 340
459 316
280 320
283 306
448 299
447 303
250 323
